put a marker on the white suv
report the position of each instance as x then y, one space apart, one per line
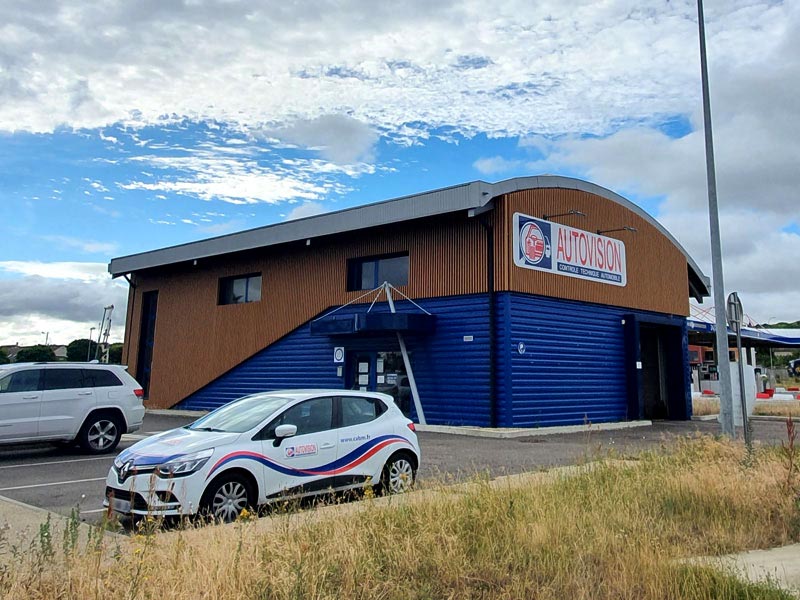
88 403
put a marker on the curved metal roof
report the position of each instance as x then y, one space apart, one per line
467 196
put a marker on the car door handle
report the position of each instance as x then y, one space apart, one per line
30 397
84 393
326 446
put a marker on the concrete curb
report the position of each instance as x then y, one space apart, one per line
752 418
168 412
487 432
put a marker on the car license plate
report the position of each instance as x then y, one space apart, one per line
120 506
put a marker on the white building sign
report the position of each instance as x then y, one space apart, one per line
547 246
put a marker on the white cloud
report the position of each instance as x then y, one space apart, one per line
62 298
496 164
306 209
338 138
82 271
516 69
81 245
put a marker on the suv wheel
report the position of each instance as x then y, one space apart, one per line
100 433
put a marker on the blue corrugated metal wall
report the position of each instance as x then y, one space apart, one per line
572 370
573 365
452 374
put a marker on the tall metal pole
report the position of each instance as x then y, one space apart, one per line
723 361
89 345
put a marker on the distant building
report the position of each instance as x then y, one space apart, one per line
11 351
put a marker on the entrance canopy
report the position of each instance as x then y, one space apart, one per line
372 323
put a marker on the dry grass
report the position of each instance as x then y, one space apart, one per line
710 406
705 406
608 532
778 409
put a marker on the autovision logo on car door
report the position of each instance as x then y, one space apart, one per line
300 450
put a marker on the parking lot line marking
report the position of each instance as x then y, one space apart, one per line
55 462
38 485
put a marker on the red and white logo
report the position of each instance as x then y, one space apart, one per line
533 243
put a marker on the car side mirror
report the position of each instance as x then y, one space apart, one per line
284 431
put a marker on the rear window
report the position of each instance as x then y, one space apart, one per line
99 378
63 379
357 410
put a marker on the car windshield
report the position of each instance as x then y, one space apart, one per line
240 415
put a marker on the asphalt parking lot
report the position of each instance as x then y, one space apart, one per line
59 479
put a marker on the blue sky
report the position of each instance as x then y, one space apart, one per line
137 126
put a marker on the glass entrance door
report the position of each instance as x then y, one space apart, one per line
380 372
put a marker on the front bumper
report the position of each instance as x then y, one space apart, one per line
148 495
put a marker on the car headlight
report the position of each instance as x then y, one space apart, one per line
187 464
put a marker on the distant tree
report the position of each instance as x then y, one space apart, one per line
38 353
115 354
4 360
77 350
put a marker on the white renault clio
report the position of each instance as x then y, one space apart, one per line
266 447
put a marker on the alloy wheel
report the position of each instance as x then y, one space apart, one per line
229 501
401 476
102 434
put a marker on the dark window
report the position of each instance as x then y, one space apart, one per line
63 379
240 289
21 381
368 273
310 416
99 378
357 410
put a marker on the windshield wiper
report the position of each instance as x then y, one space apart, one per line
212 429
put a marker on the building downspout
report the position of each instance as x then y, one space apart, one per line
485 221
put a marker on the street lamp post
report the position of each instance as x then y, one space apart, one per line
46 335
89 345
723 360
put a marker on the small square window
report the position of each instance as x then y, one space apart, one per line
370 272
241 289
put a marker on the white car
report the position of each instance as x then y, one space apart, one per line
92 404
265 447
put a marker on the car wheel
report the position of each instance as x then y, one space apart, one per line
100 433
226 498
398 474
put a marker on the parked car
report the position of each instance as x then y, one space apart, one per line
267 447
92 404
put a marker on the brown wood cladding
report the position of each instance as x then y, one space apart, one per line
196 340
657 278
